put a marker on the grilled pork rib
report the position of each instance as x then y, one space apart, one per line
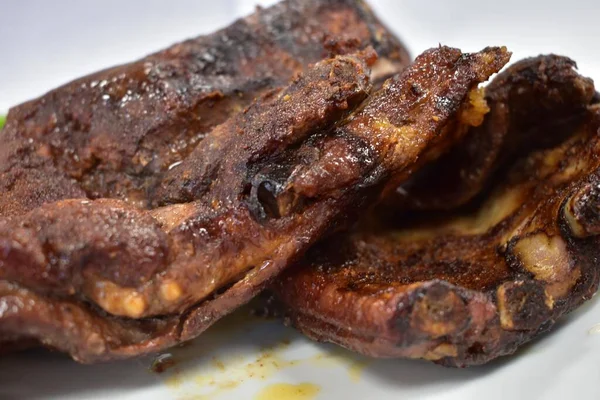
245 203
115 133
472 284
525 101
112 134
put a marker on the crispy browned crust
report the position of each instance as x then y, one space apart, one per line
113 133
245 203
137 263
526 101
465 287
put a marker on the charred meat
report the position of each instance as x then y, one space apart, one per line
472 284
526 103
251 197
112 134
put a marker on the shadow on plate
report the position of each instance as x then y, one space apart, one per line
38 374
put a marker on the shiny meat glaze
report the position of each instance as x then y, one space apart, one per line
137 263
112 134
524 101
466 286
244 204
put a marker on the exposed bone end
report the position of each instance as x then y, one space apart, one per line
441 351
170 291
582 211
174 215
96 343
119 301
439 311
523 305
547 258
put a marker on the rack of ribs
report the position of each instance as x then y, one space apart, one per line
466 285
115 243
111 136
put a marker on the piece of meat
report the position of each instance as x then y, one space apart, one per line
113 133
466 286
526 102
246 202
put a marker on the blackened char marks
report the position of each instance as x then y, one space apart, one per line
207 243
113 133
398 124
218 254
527 102
271 127
470 285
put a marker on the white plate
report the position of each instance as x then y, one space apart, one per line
47 43
243 358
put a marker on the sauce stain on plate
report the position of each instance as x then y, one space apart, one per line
213 376
339 358
231 373
594 330
288 391
175 380
242 349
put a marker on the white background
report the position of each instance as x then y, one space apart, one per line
46 43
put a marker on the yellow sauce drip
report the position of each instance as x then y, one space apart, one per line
175 380
197 373
288 391
339 358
